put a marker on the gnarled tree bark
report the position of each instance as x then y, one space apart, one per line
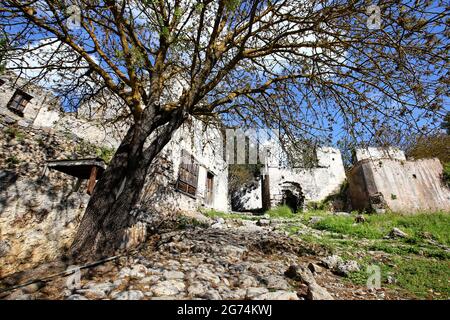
101 231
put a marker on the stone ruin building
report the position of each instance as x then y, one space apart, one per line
294 184
380 180
383 179
47 161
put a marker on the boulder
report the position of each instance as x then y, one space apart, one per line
137 271
246 281
316 292
211 295
276 282
92 294
220 220
331 262
196 288
171 275
128 295
105 287
342 214
263 222
299 273
397 233
391 280
278 295
315 219
347 267
255 291
168 288
34 287
314 268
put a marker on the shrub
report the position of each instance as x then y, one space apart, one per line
446 174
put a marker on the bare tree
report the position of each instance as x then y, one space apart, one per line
308 68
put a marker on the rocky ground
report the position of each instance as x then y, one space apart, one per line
232 259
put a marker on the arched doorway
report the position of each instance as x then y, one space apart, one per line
292 196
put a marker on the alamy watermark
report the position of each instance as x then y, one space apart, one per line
73 11
73 281
374 19
374 279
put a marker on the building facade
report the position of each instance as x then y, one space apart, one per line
283 182
201 183
384 180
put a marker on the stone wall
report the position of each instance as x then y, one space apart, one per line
44 111
406 186
205 144
308 184
39 209
314 184
379 153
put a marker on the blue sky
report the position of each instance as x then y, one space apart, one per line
337 123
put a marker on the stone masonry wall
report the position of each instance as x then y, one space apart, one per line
39 209
205 145
315 183
406 186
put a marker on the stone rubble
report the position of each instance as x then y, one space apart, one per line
209 263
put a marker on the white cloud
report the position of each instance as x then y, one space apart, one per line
58 62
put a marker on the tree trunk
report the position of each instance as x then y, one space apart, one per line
101 231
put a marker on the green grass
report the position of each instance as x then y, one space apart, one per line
419 227
420 263
283 212
420 277
15 133
13 160
219 214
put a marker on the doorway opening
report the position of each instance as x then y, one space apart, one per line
209 199
292 196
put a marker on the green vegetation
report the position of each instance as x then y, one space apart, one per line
446 123
186 222
219 214
105 153
446 174
14 133
85 148
420 263
317 205
12 161
283 212
433 146
423 278
419 227
3 47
